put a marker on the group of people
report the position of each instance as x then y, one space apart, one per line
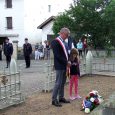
39 49
8 51
42 51
66 63
82 47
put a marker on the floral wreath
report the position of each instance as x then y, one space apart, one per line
91 101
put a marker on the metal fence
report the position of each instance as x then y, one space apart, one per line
103 62
41 74
10 93
104 66
42 77
110 53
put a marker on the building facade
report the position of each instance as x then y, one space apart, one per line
47 32
20 18
11 20
37 12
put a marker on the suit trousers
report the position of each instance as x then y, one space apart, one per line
58 90
27 60
0 55
8 59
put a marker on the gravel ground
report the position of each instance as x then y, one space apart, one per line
40 103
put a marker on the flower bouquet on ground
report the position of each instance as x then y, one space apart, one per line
91 101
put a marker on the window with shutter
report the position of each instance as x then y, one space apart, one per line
9 22
8 3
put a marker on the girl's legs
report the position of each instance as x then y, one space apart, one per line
76 85
70 87
76 79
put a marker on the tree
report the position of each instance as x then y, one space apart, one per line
90 18
63 20
109 19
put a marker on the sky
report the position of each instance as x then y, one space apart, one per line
38 9
36 12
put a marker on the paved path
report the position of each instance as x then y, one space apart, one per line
32 79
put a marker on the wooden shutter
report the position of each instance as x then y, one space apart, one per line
8 3
9 22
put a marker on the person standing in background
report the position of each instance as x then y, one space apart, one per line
36 52
40 49
8 51
47 50
85 47
0 52
27 50
70 44
80 47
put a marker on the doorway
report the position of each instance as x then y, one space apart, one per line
50 37
2 40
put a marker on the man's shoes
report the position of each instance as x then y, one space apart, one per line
63 100
7 67
56 103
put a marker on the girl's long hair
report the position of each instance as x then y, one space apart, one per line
73 51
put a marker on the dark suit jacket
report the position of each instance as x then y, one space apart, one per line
60 60
27 49
70 41
8 49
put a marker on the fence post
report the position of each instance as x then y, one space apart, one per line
89 59
15 47
10 93
13 66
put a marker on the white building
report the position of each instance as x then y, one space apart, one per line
38 11
46 26
20 18
11 19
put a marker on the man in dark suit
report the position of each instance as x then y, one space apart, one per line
27 50
60 63
0 53
8 51
70 44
